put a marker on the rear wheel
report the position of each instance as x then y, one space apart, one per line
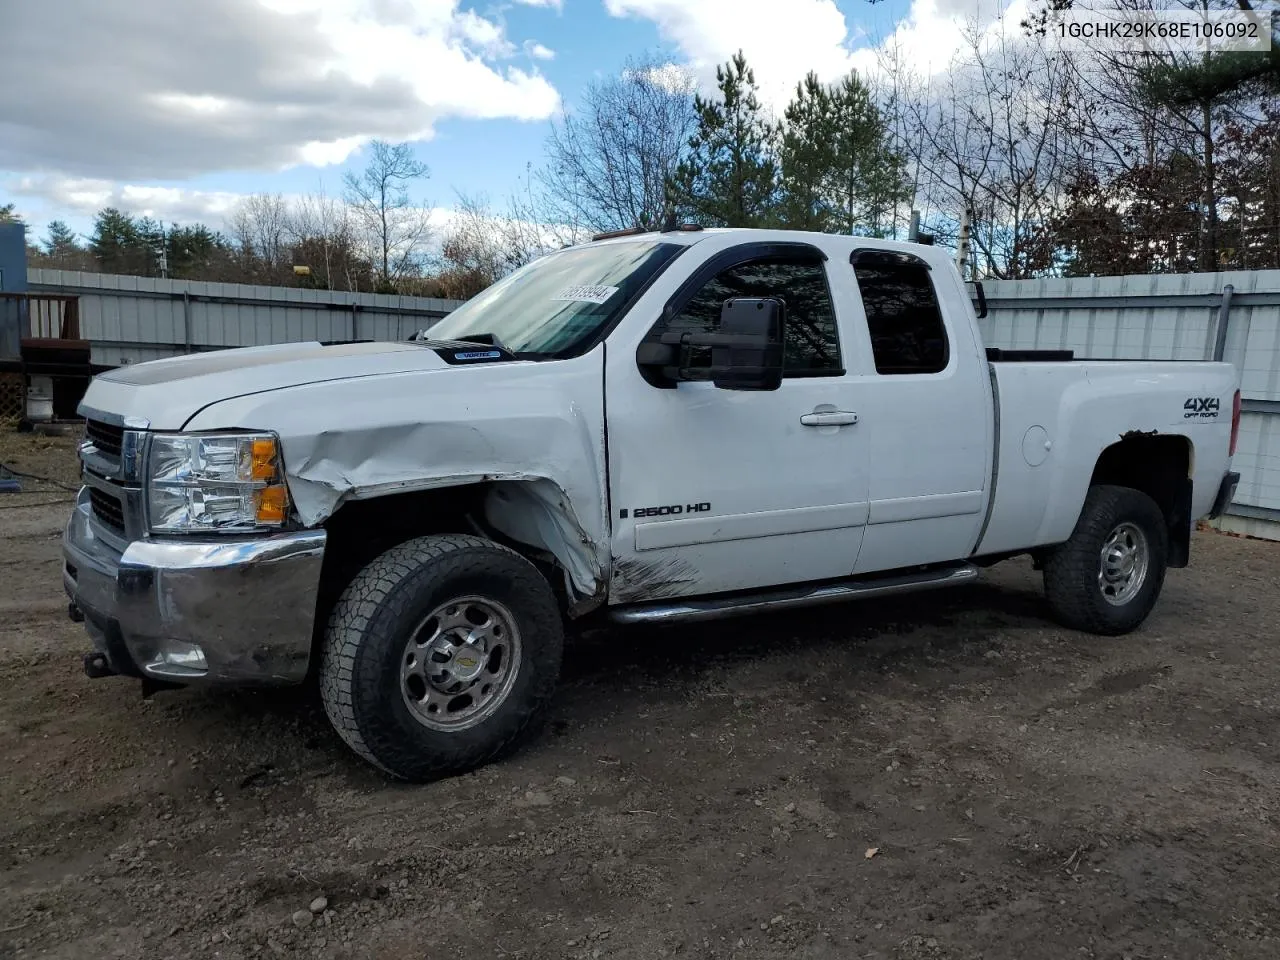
440 655
1106 578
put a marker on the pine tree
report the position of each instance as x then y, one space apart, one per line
152 242
115 242
838 172
195 251
806 156
60 241
731 177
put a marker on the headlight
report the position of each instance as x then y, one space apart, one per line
198 483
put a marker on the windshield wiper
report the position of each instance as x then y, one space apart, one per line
488 339
482 340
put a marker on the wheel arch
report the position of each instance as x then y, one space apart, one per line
1161 466
534 517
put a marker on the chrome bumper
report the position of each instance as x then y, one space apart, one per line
196 611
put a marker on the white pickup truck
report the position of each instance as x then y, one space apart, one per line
646 428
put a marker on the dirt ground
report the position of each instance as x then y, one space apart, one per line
947 776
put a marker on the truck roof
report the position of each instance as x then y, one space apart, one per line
688 236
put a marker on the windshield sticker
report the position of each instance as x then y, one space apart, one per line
587 293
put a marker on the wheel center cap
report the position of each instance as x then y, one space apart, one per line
1119 564
466 663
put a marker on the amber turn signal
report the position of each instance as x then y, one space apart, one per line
273 503
264 459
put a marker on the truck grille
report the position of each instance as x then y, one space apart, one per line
106 437
107 510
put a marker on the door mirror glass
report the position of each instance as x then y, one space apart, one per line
745 352
786 289
750 354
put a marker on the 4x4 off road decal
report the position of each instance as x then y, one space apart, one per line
1201 408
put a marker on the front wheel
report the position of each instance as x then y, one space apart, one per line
1106 578
440 655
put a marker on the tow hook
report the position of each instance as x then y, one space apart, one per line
96 666
75 613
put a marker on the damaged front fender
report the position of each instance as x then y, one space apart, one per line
538 425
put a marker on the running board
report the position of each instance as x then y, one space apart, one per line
717 608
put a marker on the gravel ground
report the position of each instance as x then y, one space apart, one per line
950 775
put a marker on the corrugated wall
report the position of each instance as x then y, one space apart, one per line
132 319
1172 317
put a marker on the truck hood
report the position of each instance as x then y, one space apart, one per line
167 393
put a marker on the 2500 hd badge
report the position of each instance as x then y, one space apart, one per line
672 510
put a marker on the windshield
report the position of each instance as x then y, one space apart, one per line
560 301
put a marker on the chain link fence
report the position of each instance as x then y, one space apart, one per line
12 398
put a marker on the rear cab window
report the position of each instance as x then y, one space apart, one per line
904 318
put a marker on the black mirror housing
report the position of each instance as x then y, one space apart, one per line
744 354
751 356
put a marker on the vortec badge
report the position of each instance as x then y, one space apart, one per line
1201 408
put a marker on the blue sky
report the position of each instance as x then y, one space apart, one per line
177 107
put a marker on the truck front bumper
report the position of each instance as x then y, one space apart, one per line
236 611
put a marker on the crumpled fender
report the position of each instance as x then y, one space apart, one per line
538 422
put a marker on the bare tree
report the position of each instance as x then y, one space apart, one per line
1152 111
260 228
608 162
480 245
379 199
323 227
994 136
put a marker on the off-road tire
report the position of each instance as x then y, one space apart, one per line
371 623
1071 570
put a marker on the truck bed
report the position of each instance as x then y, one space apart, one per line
1054 418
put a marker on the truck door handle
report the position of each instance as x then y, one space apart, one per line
829 418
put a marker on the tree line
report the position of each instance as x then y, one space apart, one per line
372 238
1061 163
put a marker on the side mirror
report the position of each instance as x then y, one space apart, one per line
744 354
751 356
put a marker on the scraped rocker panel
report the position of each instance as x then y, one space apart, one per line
746 526
662 534
929 507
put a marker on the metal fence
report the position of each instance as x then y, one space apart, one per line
1232 316
132 319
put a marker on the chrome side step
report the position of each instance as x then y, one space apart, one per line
717 608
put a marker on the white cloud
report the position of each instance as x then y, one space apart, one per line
933 32
782 47
82 197
552 4
539 52
168 89
77 200
485 35
671 77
